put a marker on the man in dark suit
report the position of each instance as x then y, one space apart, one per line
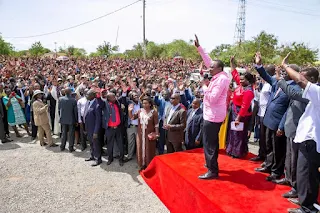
193 136
274 121
92 119
68 118
175 123
296 108
112 123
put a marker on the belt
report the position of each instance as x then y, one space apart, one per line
132 125
113 127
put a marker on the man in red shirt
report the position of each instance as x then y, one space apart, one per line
112 114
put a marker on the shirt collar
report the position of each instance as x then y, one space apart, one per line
174 108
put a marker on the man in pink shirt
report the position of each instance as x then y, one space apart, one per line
214 111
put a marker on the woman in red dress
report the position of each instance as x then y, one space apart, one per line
241 112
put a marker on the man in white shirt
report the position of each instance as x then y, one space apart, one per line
263 102
308 138
134 106
81 108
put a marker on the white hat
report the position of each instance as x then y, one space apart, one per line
37 92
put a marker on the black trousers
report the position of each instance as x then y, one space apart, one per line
114 135
291 162
5 118
210 139
34 128
262 141
308 174
65 129
95 147
276 152
83 137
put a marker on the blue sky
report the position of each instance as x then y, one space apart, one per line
166 20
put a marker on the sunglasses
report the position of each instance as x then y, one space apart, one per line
172 98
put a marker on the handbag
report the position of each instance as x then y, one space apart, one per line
152 136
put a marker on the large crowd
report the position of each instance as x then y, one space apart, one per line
134 107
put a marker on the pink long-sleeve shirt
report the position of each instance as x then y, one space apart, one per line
215 96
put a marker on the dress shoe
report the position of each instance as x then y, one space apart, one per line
6 140
282 181
83 148
62 149
257 158
96 163
121 163
71 150
291 194
273 177
263 170
33 138
295 201
109 162
89 159
295 211
53 145
125 160
209 176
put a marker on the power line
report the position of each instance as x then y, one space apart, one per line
260 4
287 6
78 25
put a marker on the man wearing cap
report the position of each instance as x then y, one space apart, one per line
41 119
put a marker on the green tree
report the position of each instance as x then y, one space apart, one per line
37 49
301 54
5 47
106 49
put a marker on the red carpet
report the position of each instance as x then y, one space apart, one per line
174 179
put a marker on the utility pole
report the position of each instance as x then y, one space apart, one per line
144 28
117 36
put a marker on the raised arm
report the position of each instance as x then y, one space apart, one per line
205 56
234 73
262 72
292 91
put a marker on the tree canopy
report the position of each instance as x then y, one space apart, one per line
265 43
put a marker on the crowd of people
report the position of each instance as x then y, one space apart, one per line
128 107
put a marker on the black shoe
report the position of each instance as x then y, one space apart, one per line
89 159
33 138
257 158
96 163
291 194
125 160
294 201
6 140
83 148
71 150
282 181
53 145
295 211
273 177
121 162
263 170
209 176
109 162
117 157
62 149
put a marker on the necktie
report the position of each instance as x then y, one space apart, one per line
113 113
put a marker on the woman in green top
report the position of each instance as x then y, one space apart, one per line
15 113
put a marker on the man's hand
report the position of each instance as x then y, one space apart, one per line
197 143
258 59
167 126
95 136
236 122
279 133
232 59
285 60
196 41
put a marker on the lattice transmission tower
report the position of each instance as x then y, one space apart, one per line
239 34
